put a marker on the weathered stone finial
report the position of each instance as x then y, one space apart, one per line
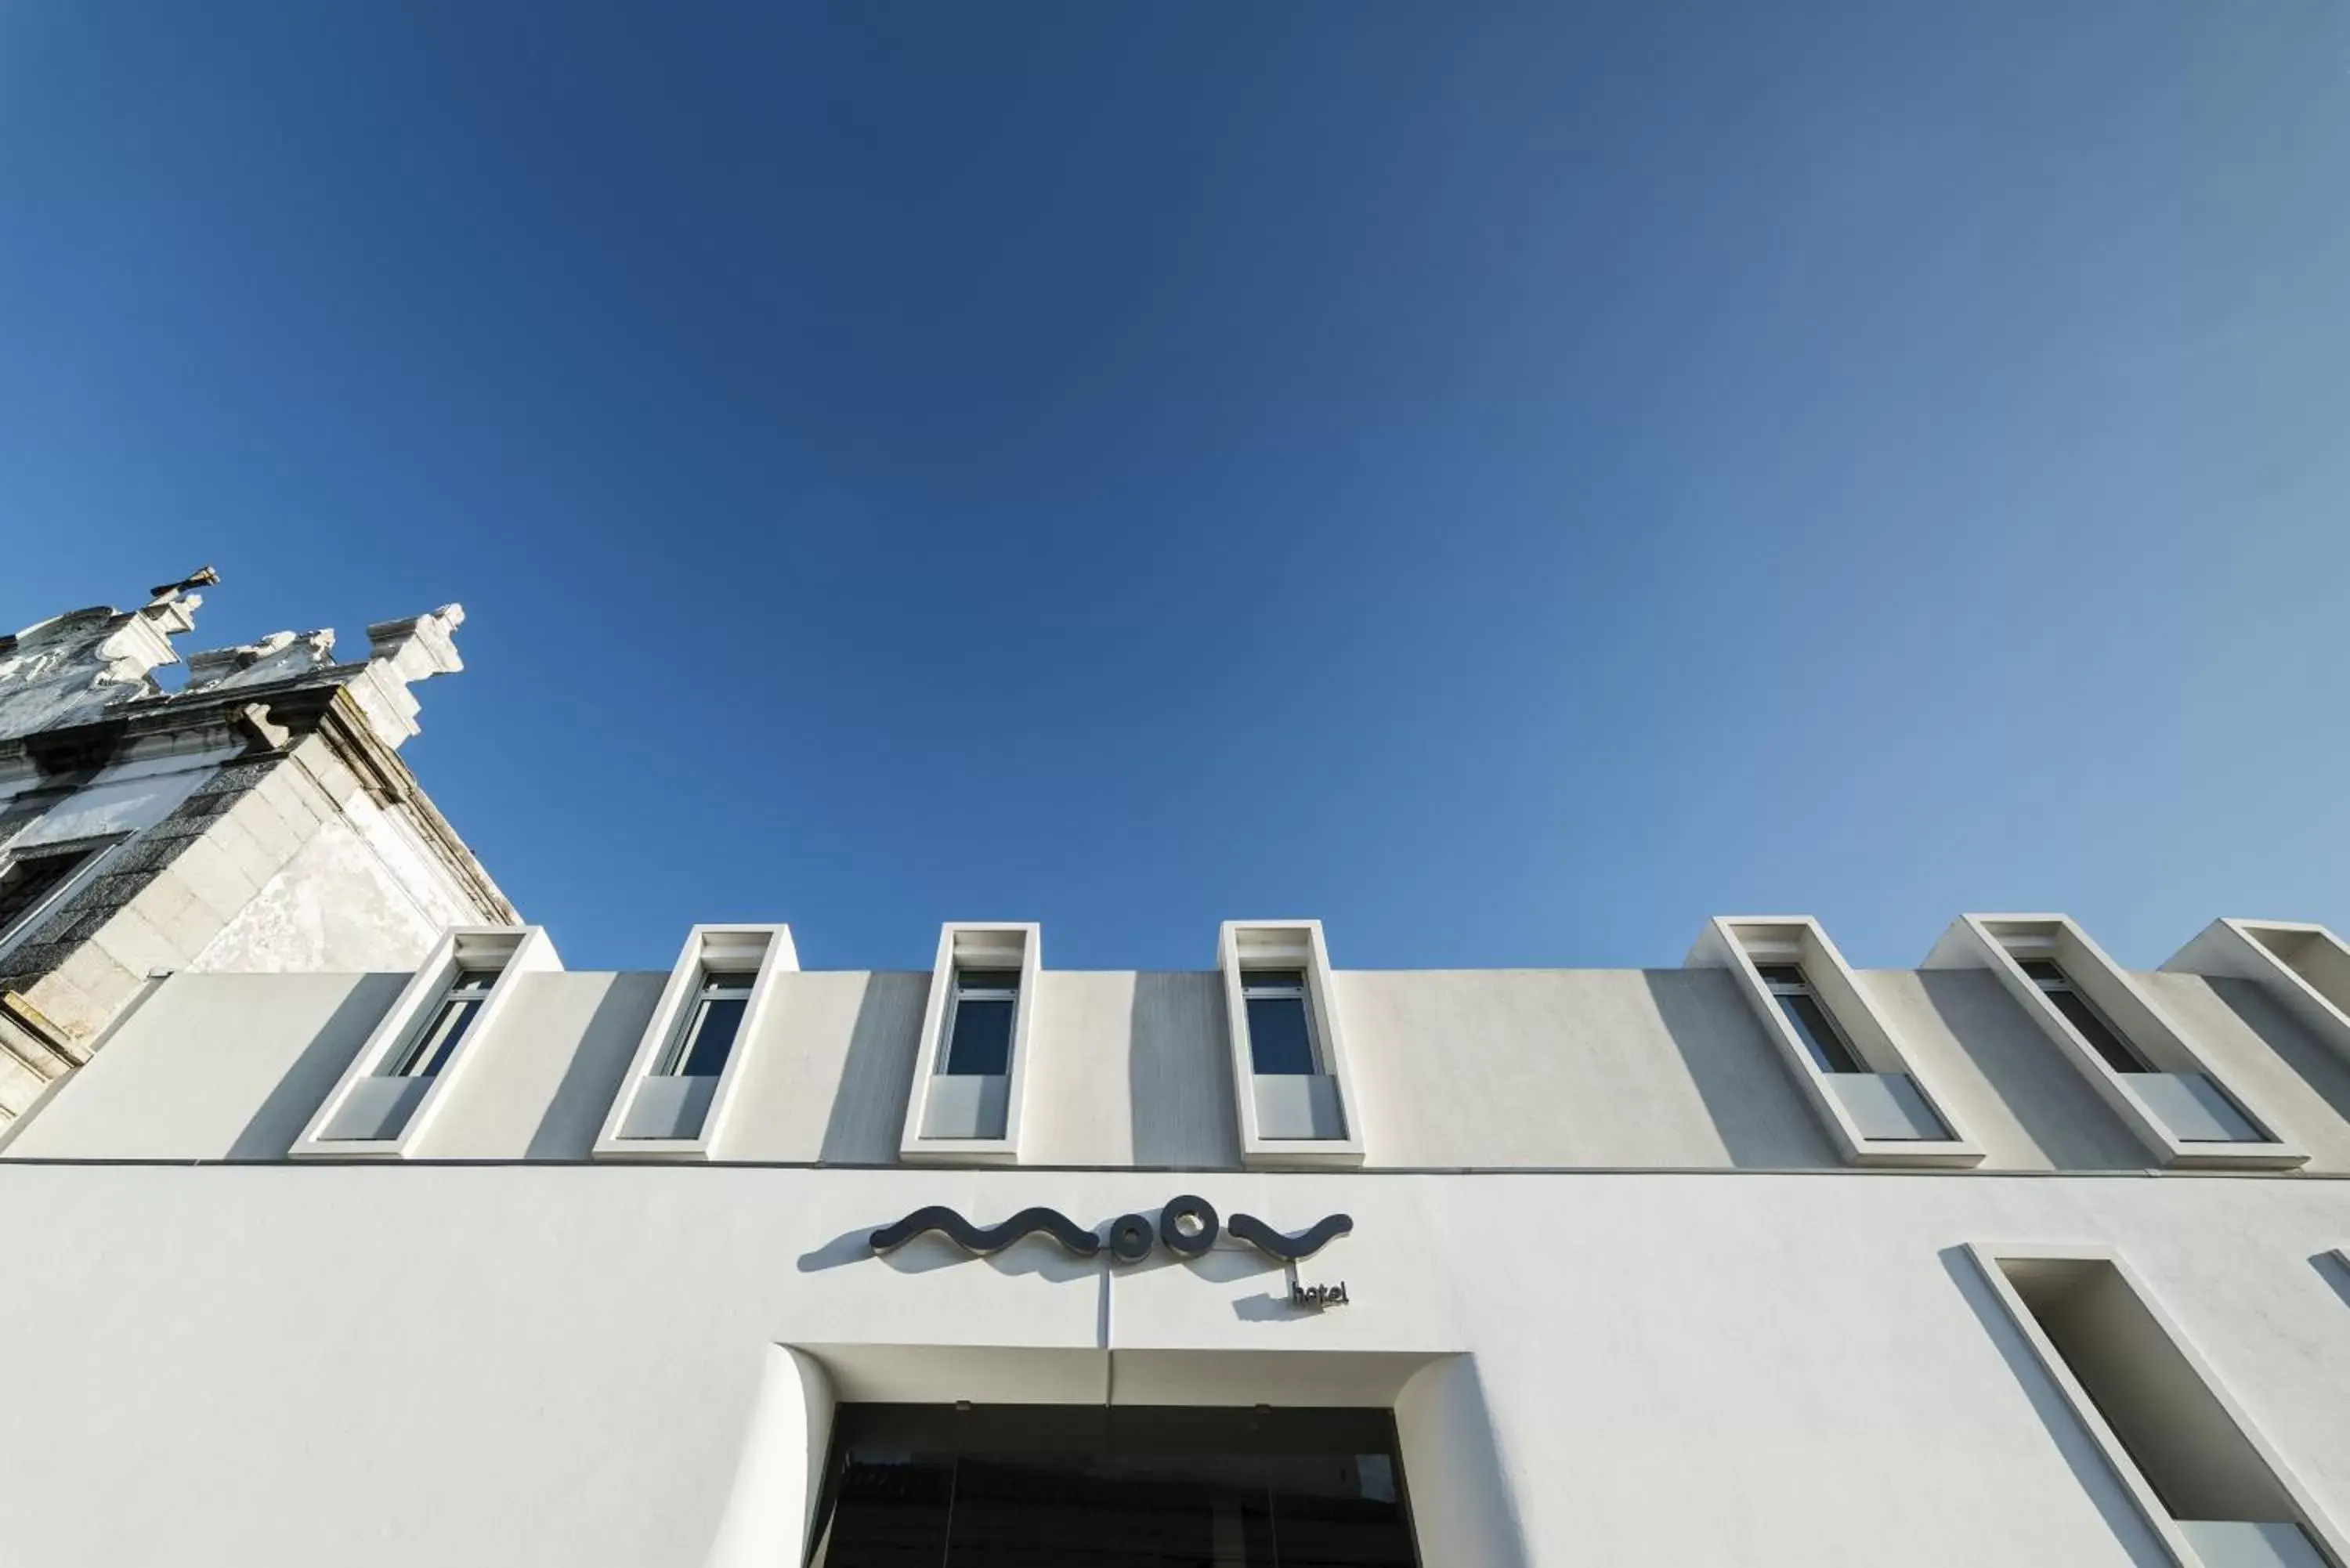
73 667
399 652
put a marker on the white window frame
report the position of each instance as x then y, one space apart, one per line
1742 944
759 954
1245 945
1987 1258
2234 948
975 945
95 851
514 951
2000 942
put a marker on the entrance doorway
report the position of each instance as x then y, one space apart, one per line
1070 1486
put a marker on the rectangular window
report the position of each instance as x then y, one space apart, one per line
1285 1027
1280 1021
26 886
2083 1015
692 1057
2205 1474
1822 1040
978 1039
972 1069
714 1018
2122 1038
385 1104
444 1026
1846 1058
33 882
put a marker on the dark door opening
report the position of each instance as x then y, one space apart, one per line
1074 1486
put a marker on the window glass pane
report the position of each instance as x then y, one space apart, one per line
1133 1487
1279 1038
2043 971
1335 1509
1272 980
983 1038
25 882
1781 974
709 1036
987 979
889 1510
1817 1031
440 1038
2100 1034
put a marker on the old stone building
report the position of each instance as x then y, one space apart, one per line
259 817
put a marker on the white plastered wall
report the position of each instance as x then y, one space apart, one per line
1660 1362
278 1338
1502 1069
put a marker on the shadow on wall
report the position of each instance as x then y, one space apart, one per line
303 1086
868 1108
1749 1094
1179 1072
2080 1452
2052 1105
2314 1061
591 1079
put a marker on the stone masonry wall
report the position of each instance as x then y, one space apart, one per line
227 852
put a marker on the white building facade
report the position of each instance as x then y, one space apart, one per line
2017 1258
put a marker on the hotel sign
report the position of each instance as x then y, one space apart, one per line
1187 1227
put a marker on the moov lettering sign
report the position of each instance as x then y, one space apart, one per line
1187 1226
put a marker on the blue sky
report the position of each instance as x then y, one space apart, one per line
1510 481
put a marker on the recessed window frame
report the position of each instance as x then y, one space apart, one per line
1989 1259
2004 943
2246 949
977 946
1242 946
91 855
513 951
757 955
1745 945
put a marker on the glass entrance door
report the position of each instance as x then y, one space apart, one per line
1063 1486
